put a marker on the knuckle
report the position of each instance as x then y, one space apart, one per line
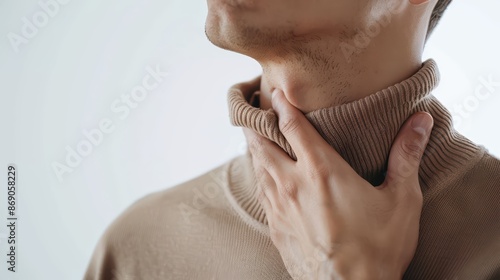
262 162
267 161
288 191
411 150
264 188
404 170
288 123
316 171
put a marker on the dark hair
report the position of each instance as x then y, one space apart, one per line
436 15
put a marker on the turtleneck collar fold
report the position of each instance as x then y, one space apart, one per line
363 131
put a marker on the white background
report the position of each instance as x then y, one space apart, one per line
89 53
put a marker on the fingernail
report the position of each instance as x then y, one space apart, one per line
422 123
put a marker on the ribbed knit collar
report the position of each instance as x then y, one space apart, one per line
362 132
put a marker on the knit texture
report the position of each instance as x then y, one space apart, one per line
213 227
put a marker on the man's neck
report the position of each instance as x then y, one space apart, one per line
324 76
362 132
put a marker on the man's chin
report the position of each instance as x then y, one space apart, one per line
218 31
236 33
215 36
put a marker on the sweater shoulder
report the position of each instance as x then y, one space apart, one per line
486 171
158 223
203 192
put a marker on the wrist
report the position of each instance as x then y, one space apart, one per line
357 268
364 271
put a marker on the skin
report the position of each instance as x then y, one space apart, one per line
328 222
299 43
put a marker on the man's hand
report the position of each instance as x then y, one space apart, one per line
326 221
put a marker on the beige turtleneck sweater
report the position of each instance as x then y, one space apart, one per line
213 227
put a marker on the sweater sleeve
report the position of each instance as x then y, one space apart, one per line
480 227
116 251
102 262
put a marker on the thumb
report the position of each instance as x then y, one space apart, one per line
408 148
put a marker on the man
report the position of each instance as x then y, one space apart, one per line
355 69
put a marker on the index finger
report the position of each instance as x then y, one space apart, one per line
303 137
